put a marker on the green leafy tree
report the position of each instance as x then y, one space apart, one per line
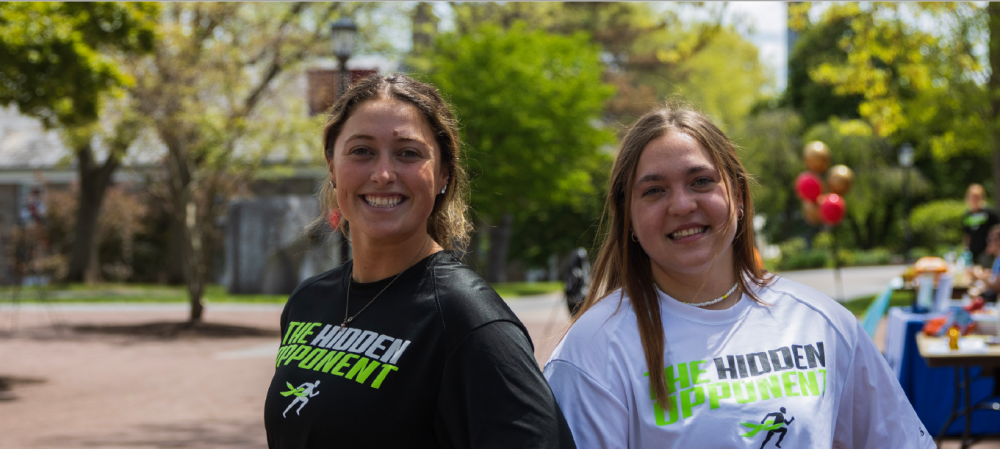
530 104
216 93
59 63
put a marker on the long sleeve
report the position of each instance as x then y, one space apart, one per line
494 396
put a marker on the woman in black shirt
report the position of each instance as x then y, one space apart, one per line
403 346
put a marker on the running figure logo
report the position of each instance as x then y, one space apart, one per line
302 394
772 423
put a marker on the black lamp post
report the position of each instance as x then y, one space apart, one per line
906 161
343 32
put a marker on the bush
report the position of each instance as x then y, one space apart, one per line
795 256
937 224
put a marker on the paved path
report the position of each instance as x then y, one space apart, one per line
857 281
100 391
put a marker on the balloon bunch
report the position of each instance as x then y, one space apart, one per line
817 207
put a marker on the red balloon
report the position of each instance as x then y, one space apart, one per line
832 207
333 218
808 186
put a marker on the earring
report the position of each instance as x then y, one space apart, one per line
741 211
332 185
633 238
444 189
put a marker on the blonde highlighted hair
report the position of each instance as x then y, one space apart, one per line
447 224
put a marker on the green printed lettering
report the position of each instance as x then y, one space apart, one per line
740 387
677 373
823 372
717 391
312 358
328 361
661 418
291 326
284 352
808 383
346 360
299 353
298 331
307 330
772 385
696 372
363 369
789 384
381 375
688 403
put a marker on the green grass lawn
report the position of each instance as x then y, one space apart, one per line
859 305
514 289
77 293
155 293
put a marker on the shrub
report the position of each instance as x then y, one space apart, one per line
937 224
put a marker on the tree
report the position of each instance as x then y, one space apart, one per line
876 61
58 64
650 51
530 104
215 94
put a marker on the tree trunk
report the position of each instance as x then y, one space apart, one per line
993 87
496 263
94 182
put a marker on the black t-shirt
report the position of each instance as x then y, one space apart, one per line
977 225
438 360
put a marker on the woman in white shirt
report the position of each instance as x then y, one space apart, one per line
685 341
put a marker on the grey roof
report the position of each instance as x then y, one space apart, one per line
24 143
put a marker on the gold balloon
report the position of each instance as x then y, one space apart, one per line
817 156
839 179
810 212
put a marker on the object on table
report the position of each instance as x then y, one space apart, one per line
956 318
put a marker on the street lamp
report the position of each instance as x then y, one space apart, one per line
906 161
342 33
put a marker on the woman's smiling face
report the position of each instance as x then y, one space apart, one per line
681 209
387 169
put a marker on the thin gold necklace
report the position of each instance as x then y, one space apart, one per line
347 305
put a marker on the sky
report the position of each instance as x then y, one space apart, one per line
767 31
769 34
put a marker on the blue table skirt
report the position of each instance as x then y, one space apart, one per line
932 390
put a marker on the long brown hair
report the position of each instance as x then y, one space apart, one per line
448 224
623 264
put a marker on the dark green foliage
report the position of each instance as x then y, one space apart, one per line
57 58
937 224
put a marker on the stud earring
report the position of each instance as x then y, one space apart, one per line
444 189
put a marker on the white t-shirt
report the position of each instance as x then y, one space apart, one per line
800 371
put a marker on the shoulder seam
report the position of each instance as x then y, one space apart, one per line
437 299
587 375
826 316
462 340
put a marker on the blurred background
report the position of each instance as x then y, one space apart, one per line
169 153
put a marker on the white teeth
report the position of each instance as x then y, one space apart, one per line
687 232
382 201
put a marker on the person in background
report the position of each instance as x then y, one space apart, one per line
576 278
684 341
989 281
976 222
403 346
